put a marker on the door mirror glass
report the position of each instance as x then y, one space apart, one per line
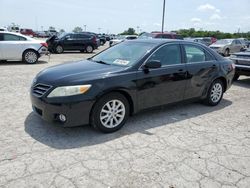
152 64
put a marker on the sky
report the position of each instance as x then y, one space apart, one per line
115 16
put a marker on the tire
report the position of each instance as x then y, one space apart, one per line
89 49
227 51
59 49
236 77
30 56
105 118
215 93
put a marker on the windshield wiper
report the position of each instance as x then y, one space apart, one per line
102 62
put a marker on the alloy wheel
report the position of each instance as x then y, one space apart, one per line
216 92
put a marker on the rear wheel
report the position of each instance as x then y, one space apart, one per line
59 49
30 56
110 113
215 93
89 49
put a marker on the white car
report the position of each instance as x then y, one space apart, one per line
17 47
121 38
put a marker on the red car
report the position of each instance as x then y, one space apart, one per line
28 32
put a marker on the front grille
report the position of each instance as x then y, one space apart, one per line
40 89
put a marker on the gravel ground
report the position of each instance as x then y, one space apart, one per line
188 145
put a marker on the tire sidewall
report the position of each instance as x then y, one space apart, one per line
90 50
95 115
24 59
209 100
58 52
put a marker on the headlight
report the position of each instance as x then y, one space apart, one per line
69 90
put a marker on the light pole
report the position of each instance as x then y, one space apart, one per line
163 16
85 27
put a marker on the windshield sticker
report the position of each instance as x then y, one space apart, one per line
121 62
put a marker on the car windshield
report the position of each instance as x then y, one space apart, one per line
224 41
124 54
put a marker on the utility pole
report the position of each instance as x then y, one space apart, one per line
85 27
163 17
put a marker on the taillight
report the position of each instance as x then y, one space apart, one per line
94 39
44 44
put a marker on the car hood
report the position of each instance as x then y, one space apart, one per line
74 73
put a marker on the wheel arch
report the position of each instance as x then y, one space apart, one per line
33 49
122 92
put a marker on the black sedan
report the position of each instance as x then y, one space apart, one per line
242 63
132 76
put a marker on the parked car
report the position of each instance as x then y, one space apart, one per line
245 42
199 40
3 29
129 77
28 32
121 38
242 63
14 29
72 41
41 34
17 47
51 32
98 41
227 46
164 35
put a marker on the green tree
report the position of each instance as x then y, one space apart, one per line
130 31
77 29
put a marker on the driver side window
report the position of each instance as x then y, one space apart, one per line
167 55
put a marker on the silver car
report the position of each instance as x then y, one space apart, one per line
227 46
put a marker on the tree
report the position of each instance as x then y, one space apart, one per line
77 29
62 30
130 31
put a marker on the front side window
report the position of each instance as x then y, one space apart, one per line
10 37
194 54
167 55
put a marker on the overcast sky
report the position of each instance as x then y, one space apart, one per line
115 16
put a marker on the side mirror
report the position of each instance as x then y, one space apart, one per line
153 64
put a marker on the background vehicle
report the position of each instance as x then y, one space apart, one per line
72 41
242 63
199 40
51 32
14 29
121 38
105 89
227 46
245 42
102 39
3 29
40 34
17 47
28 32
165 35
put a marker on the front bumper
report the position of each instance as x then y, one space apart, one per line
76 113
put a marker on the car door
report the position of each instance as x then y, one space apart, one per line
69 42
82 40
165 84
12 47
238 46
201 67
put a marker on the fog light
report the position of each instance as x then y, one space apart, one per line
62 117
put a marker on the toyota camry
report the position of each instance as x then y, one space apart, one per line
105 90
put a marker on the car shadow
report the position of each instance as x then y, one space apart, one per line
9 63
76 137
243 83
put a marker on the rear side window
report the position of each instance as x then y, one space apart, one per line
10 37
168 55
1 37
194 54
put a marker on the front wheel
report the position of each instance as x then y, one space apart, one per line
215 93
227 52
110 113
30 56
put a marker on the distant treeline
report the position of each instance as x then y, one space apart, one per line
217 34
